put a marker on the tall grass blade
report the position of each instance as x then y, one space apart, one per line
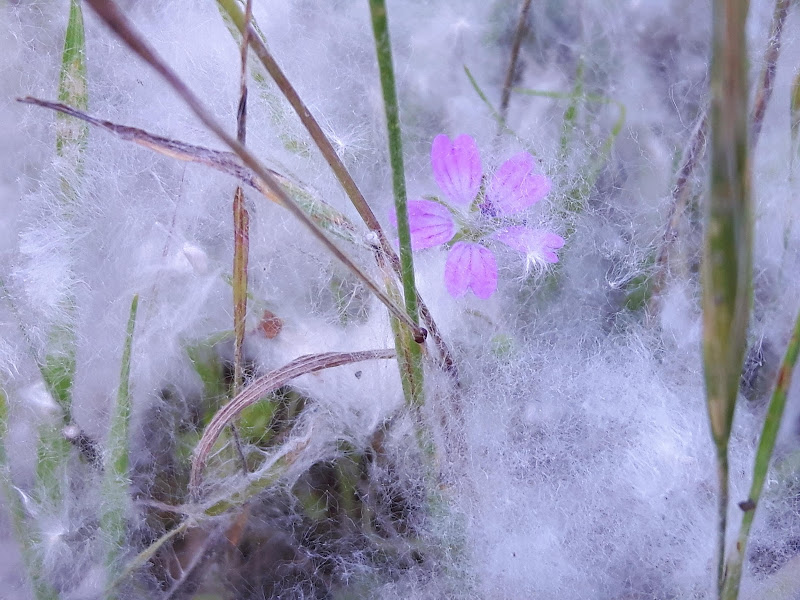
71 135
115 463
728 253
241 225
58 366
241 240
25 534
324 215
766 444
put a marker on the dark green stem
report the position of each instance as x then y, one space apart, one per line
380 28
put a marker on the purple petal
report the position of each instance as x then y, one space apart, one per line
472 266
430 223
457 168
536 244
516 185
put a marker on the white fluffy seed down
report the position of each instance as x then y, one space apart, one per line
579 464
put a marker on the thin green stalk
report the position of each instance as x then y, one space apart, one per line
571 114
692 155
766 445
148 553
794 109
727 257
794 113
413 373
241 248
25 534
502 127
115 464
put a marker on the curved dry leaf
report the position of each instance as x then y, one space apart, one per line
265 385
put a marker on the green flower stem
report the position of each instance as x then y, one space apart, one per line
727 256
413 373
578 195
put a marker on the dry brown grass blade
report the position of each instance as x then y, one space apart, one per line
680 199
696 148
265 385
766 81
511 73
241 228
225 162
241 246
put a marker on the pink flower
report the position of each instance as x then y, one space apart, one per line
473 215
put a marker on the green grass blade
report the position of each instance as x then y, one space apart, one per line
412 374
571 113
24 533
147 554
71 135
241 255
502 127
115 480
728 253
58 366
766 444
